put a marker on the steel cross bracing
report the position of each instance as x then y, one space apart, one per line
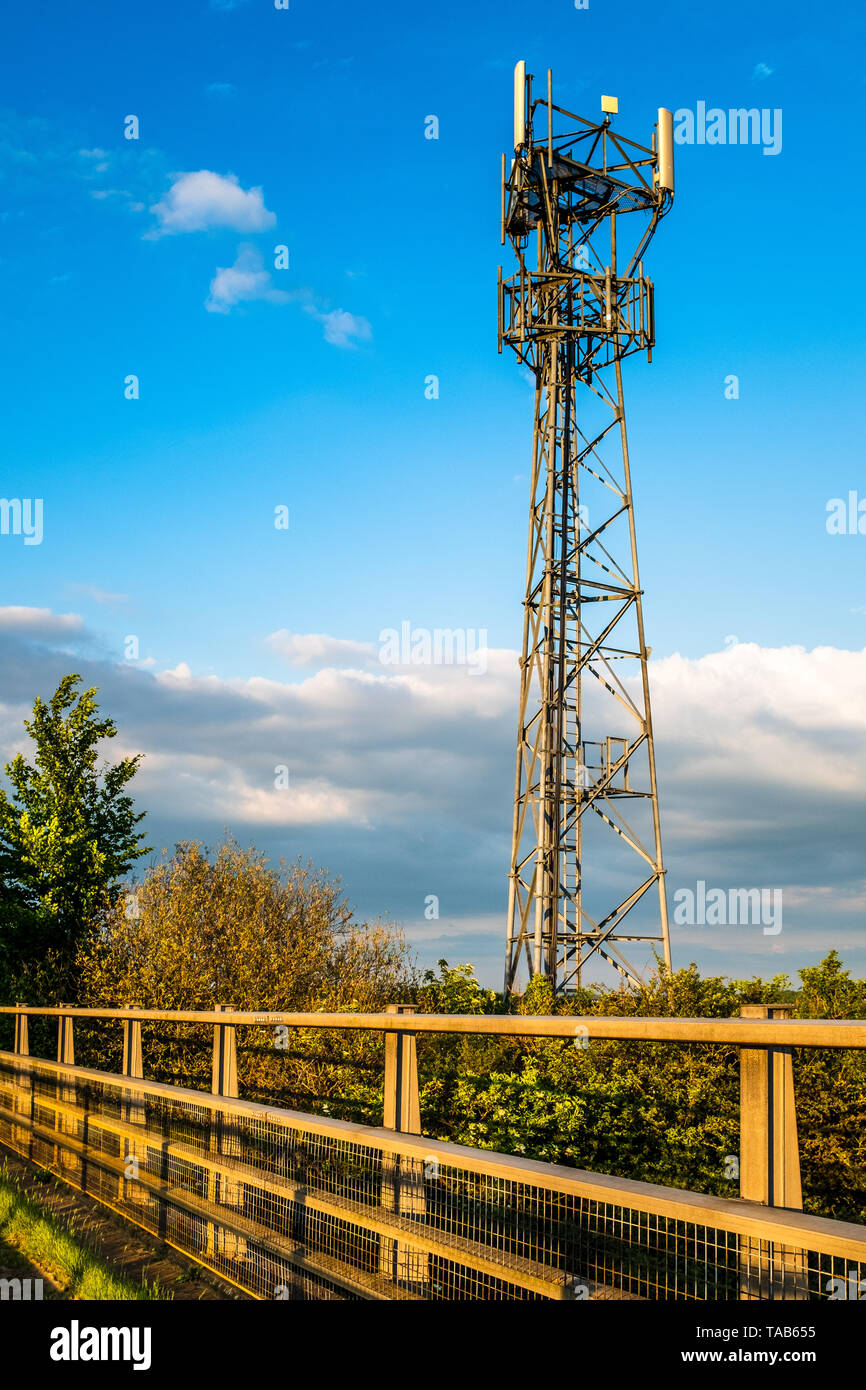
586 845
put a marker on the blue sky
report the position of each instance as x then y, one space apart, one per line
158 512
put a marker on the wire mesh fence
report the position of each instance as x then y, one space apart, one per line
300 1207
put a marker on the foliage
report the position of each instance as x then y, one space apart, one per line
831 1098
67 835
455 990
654 1112
233 930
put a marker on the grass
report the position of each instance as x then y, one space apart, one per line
54 1246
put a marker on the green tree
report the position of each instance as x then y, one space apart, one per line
228 928
830 1086
454 990
67 837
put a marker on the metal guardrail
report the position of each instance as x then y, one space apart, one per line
291 1205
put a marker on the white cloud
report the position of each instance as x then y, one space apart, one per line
783 717
342 328
312 801
401 777
101 596
242 282
201 200
39 622
318 649
762 70
180 672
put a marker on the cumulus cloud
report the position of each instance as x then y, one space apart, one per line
242 282
202 200
180 672
401 778
783 717
39 623
318 649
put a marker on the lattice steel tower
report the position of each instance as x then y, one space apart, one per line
584 879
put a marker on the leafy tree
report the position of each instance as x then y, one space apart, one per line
454 990
67 836
231 929
830 1087
829 992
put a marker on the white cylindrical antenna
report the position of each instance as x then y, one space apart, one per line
519 104
502 209
549 119
665 150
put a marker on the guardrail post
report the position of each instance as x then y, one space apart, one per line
223 1189
769 1153
22 1035
23 1097
133 1061
224 1075
402 1177
402 1109
65 1039
769 1159
63 1124
132 1065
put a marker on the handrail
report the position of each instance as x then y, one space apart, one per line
764 1034
746 1032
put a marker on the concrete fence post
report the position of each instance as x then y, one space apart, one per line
769 1152
403 1189
769 1161
65 1039
22 1035
23 1096
223 1189
135 1152
224 1074
402 1109
66 1093
133 1061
